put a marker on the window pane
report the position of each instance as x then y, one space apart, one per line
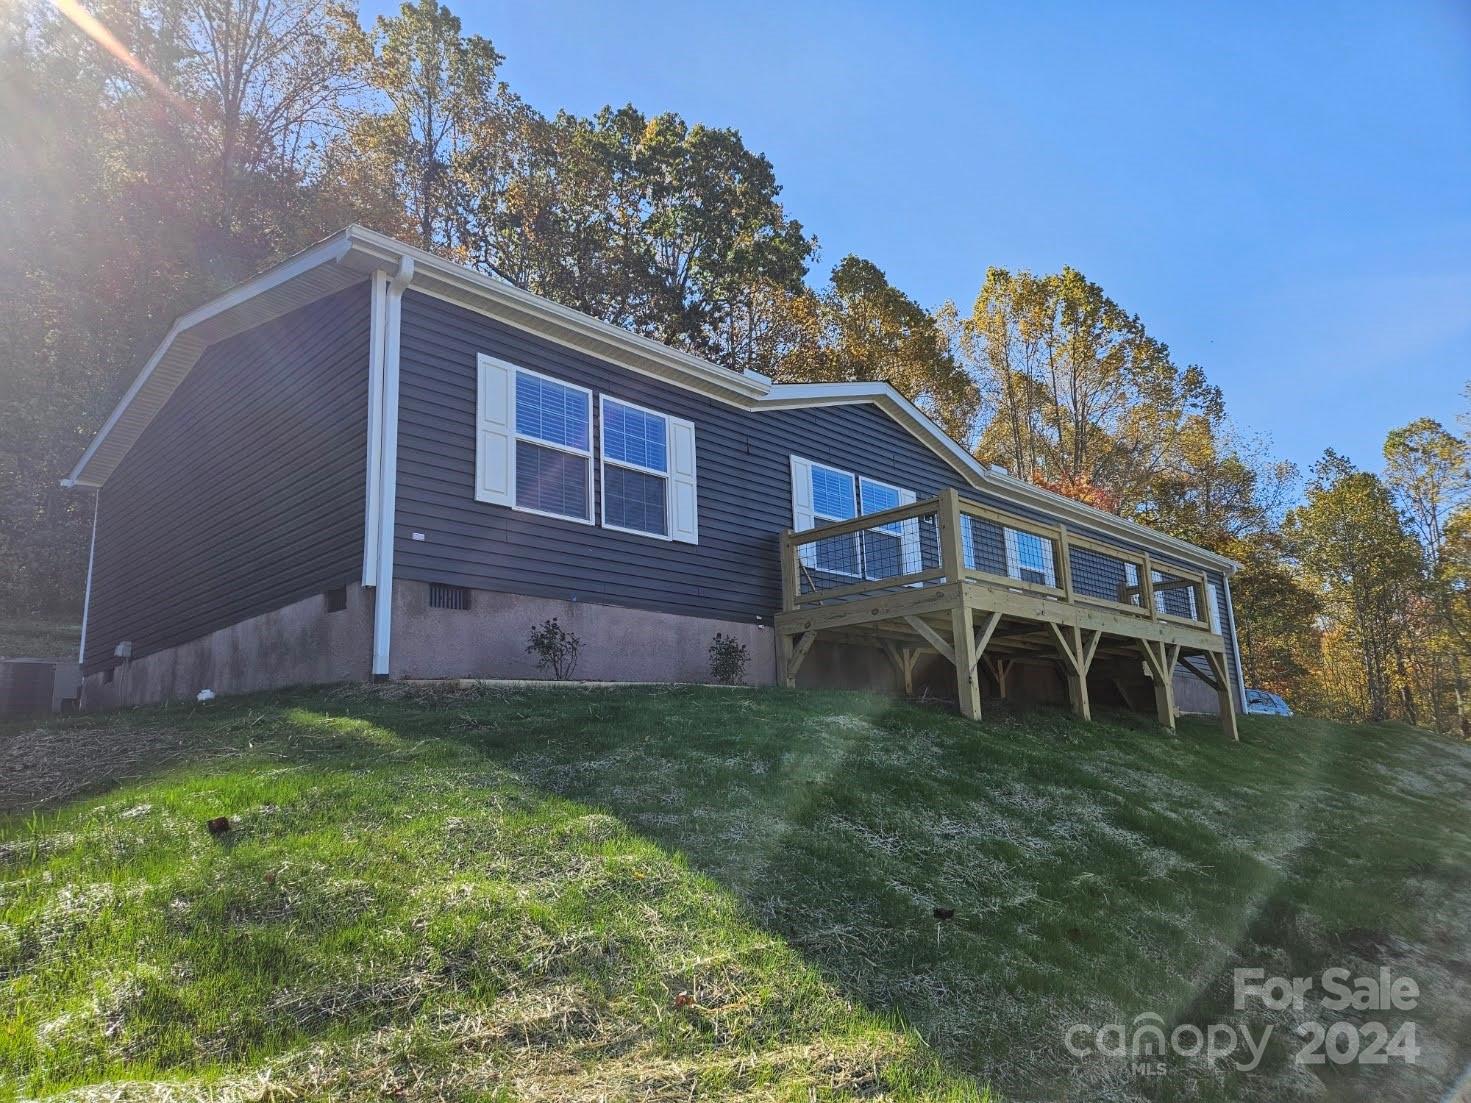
552 412
633 436
634 500
832 494
877 498
551 481
1033 559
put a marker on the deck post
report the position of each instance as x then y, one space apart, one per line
789 593
952 547
1146 586
785 672
1064 564
1163 677
967 678
1077 683
1223 695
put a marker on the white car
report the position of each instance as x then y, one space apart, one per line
1261 702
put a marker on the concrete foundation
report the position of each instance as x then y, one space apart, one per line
300 644
618 645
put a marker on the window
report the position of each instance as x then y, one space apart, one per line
1029 558
833 500
534 452
635 469
443 596
823 495
883 547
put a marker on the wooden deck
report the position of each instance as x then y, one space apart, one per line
936 592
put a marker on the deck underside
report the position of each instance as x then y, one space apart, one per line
979 625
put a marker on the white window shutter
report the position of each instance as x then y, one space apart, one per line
684 512
802 518
1215 607
1049 562
1013 556
910 560
495 432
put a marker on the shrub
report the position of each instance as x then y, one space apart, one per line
728 659
554 647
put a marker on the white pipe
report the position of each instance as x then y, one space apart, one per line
87 594
376 351
1235 640
388 488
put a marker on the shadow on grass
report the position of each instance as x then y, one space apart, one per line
1095 872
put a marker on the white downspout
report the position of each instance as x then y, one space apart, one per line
1235 640
91 558
388 481
377 349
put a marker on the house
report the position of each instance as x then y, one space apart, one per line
370 462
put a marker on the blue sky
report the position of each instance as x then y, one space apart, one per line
1281 192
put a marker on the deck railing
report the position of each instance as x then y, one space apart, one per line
947 538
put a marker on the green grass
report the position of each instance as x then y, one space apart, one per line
26 638
434 894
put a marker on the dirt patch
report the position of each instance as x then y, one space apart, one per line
45 765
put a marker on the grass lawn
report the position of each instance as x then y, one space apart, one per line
39 639
681 893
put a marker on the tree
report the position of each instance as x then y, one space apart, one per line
1429 470
434 86
1351 543
862 327
1086 401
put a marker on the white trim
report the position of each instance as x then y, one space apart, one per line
87 594
388 489
603 461
592 435
377 352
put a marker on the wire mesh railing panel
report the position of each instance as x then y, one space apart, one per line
1097 574
1177 595
884 556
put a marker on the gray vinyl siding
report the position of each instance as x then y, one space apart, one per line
743 473
247 491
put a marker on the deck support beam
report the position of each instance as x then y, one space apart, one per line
1000 668
1223 695
793 651
1160 659
1077 649
967 656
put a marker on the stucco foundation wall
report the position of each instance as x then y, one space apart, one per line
300 644
618 645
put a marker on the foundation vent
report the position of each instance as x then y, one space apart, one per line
442 596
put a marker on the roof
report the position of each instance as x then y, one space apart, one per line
352 254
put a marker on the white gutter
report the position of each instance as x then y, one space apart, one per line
1235 639
388 479
377 351
87 594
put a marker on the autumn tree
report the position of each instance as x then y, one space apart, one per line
1084 400
1352 545
860 327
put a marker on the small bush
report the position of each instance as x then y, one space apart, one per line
554 648
728 659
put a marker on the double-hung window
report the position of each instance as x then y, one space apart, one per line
534 452
823 495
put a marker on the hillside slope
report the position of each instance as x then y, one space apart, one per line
653 894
